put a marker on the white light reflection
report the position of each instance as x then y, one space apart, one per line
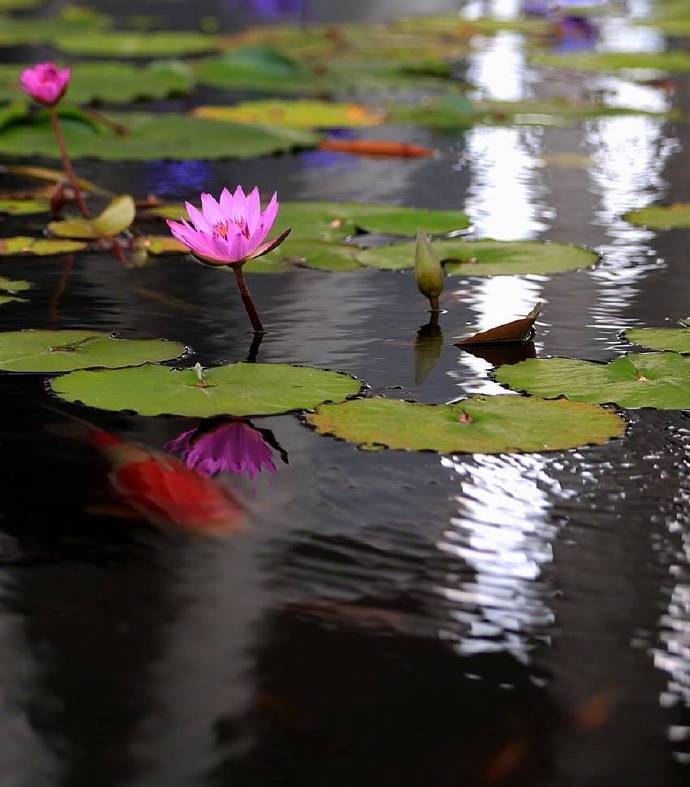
501 537
628 155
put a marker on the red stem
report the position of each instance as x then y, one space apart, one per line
66 163
247 299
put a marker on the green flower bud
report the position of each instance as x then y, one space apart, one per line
428 270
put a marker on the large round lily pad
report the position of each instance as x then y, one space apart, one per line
675 61
661 217
21 245
299 113
149 136
482 424
486 257
109 43
675 339
62 351
239 389
660 380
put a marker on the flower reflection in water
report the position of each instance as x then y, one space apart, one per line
227 445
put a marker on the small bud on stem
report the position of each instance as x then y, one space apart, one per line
428 271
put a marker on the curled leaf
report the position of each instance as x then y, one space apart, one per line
521 330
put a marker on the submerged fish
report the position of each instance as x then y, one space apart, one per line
160 488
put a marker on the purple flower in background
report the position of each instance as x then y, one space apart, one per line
275 9
232 447
575 33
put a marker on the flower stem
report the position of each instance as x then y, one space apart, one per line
435 309
247 299
66 163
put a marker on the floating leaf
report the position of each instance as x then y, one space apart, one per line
482 424
18 5
674 339
255 68
377 148
130 44
162 244
450 113
337 220
11 299
116 218
53 176
660 217
24 207
14 285
40 247
240 389
660 380
113 81
295 114
516 331
151 136
486 257
320 255
61 351
675 61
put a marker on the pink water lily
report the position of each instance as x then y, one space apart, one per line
45 82
230 231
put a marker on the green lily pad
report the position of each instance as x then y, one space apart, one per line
660 380
675 339
4 299
482 424
18 5
14 285
15 31
675 61
255 68
116 218
239 389
660 217
486 257
114 82
318 254
62 351
21 245
24 207
302 113
150 136
134 44
457 112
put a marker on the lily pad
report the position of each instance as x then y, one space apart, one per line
660 380
116 218
21 245
319 255
660 217
255 68
62 351
240 389
482 424
24 207
114 82
150 136
486 257
674 61
337 220
457 112
301 113
675 339
108 43
14 285
11 299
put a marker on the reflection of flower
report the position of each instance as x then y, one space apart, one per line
231 231
233 447
45 82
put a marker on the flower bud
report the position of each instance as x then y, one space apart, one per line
45 82
428 270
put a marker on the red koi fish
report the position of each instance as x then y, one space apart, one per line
160 488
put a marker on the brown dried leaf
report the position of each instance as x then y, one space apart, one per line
520 330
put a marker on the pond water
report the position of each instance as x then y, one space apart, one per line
388 618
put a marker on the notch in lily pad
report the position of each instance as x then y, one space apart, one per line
660 380
239 389
63 351
481 424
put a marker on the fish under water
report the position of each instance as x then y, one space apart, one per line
158 487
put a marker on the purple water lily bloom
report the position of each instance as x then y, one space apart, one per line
45 82
233 447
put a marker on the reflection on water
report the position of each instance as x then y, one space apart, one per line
502 538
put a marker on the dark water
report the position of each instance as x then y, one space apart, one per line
387 619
